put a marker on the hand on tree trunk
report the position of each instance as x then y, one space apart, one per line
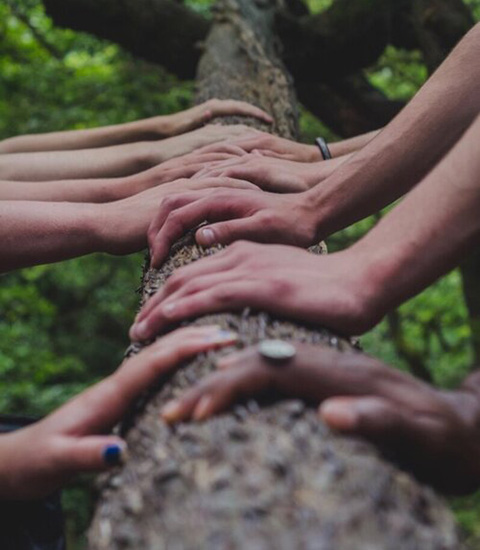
434 433
188 120
39 459
274 146
271 174
332 291
233 215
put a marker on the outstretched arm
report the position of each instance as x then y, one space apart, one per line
420 240
385 169
36 232
434 433
114 161
37 460
141 130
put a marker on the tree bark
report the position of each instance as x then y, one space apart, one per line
268 475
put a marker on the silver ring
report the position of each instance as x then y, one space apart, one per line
277 351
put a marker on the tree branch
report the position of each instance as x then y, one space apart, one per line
160 31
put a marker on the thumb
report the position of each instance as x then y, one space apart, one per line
372 417
92 453
227 232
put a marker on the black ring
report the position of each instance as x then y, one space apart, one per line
324 150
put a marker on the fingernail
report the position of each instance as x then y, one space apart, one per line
115 454
171 411
168 309
140 331
208 237
223 336
202 410
339 416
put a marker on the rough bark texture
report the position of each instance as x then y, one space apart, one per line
261 477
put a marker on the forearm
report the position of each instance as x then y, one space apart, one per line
140 130
88 190
409 147
106 162
427 234
38 233
347 146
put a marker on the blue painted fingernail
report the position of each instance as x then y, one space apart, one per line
113 455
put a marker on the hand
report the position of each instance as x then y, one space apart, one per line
199 115
42 457
269 145
177 146
121 226
334 291
270 174
240 214
176 169
435 433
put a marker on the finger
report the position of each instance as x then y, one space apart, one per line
249 229
167 204
101 406
227 147
217 393
377 419
86 454
181 220
224 297
233 107
216 264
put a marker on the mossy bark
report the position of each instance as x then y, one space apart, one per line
266 475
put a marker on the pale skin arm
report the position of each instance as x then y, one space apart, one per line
385 169
36 232
409 147
100 190
114 161
141 130
420 240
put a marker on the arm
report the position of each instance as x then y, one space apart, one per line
409 147
420 240
351 145
433 433
389 166
115 161
141 130
37 460
36 232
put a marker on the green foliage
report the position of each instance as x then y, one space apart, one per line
64 326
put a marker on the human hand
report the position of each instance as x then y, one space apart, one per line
270 145
435 433
121 226
177 168
186 143
269 173
199 115
42 457
239 214
333 291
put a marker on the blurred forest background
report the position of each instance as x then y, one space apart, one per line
64 326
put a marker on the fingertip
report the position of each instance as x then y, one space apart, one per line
203 409
172 412
206 237
115 453
339 414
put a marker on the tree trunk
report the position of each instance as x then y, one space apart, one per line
261 477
